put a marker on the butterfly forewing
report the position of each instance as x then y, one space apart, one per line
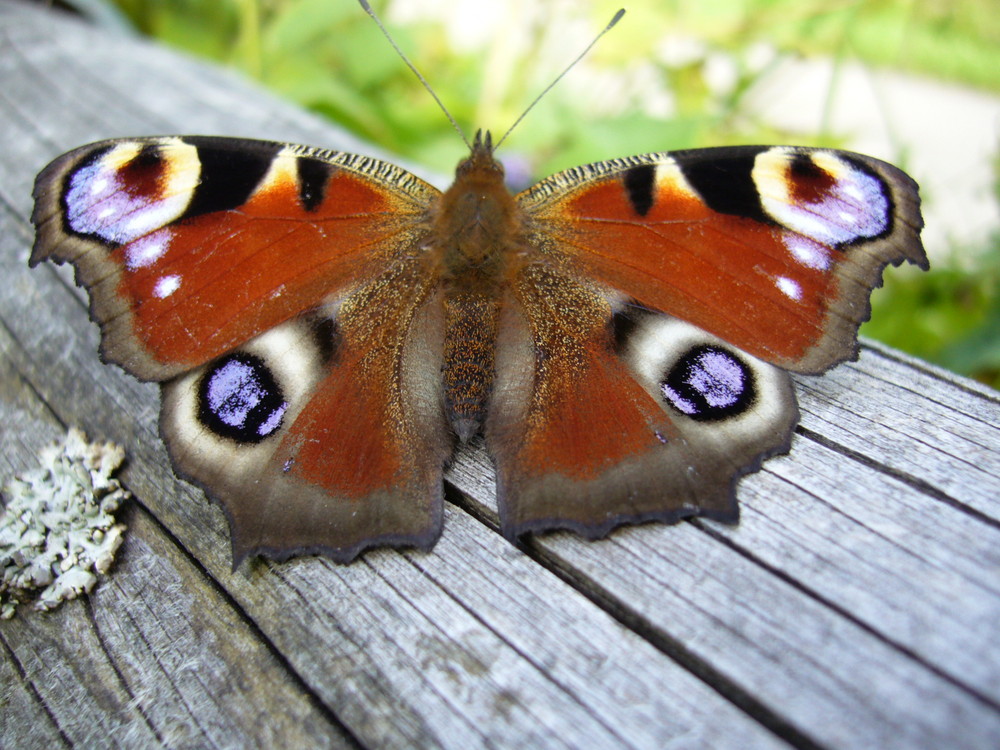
772 249
192 246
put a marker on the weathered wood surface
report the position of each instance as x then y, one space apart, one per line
857 603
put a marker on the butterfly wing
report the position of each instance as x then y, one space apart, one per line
773 249
274 290
761 257
642 417
191 246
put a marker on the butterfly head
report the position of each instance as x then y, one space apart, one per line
481 160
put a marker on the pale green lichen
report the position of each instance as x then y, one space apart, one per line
58 530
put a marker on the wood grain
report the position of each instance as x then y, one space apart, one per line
855 605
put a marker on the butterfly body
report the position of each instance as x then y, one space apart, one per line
326 326
479 232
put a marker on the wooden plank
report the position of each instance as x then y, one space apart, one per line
851 607
27 425
779 609
940 438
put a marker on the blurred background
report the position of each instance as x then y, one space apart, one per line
913 82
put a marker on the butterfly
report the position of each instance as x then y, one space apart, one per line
327 327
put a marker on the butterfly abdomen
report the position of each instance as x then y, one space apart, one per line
470 342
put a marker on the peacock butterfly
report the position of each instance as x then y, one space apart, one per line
327 326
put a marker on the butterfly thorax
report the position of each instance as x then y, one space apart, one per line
476 224
476 221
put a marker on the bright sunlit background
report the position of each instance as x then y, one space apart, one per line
916 83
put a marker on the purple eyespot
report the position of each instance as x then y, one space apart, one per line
827 199
709 383
239 399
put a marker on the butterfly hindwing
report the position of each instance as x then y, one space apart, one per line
647 418
316 438
773 249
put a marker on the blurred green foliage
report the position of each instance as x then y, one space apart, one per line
329 56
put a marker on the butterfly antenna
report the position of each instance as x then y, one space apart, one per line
368 9
617 17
